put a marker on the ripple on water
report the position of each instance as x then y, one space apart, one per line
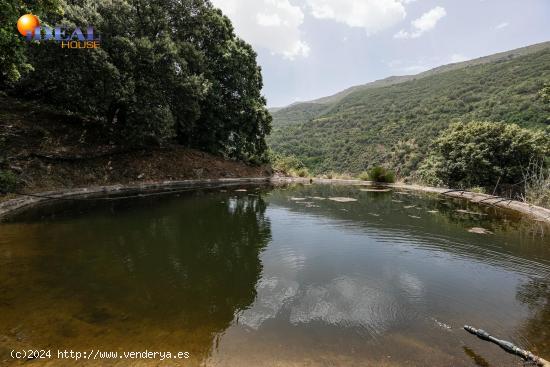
286 277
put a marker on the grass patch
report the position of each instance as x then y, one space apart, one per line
537 185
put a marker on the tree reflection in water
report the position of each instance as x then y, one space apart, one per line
536 294
171 277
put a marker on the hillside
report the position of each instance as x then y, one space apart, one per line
303 111
392 121
49 150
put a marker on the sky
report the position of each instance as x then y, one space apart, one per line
314 48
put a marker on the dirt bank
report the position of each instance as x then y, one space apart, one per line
49 151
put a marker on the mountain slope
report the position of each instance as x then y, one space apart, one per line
394 124
303 111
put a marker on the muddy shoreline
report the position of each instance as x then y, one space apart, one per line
21 203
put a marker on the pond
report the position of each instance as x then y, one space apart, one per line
283 276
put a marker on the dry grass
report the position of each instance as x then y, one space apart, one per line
537 185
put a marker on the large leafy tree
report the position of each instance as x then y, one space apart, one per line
234 94
483 154
166 69
13 57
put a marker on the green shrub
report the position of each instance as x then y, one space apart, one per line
431 171
287 164
363 176
483 154
8 181
381 174
301 172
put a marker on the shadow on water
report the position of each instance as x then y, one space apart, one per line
167 274
476 358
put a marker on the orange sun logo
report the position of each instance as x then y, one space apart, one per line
27 23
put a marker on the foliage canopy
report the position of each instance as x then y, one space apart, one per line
381 174
483 154
166 70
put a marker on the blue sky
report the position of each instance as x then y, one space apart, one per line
314 48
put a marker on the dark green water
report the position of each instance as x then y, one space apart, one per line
276 277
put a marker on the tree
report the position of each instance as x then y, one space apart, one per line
13 56
483 154
233 100
166 70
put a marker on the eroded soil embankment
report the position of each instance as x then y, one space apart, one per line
50 151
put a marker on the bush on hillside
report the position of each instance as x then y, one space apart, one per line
483 154
8 181
302 172
363 176
381 174
544 94
286 164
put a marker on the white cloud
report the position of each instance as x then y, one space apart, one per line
502 25
426 22
402 34
268 20
271 24
372 15
347 301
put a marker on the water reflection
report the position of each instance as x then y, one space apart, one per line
436 222
536 329
476 358
161 277
279 278
368 283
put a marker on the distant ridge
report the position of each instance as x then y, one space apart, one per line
506 55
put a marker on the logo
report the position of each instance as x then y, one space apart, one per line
29 26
